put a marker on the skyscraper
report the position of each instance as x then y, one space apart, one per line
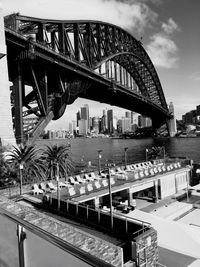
82 124
126 124
110 121
95 124
78 117
85 115
104 122
128 114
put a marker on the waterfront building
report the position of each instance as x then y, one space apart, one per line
57 134
110 121
119 126
83 127
52 134
128 114
190 117
134 118
104 122
134 127
144 121
87 116
126 124
78 117
115 119
71 128
95 125
198 110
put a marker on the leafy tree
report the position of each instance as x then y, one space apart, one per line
28 158
156 153
57 159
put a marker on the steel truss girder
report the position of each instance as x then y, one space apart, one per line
80 47
87 42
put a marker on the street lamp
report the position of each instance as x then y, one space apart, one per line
58 188
125 156
21 167
110 196
99 160
146 154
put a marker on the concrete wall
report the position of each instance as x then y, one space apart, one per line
181 180
172 183
145 249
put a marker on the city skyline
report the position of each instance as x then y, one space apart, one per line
167 30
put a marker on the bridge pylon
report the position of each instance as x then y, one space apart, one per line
6 124
171 123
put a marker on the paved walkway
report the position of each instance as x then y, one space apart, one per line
173 235
173 259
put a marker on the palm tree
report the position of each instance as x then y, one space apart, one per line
24 159
58 160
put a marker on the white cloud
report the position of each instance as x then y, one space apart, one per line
155 2
170 27
161 48
132 15
162 51
195 76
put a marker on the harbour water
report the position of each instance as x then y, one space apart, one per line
84 150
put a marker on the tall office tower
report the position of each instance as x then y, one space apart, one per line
190 117
119 126
134 118
82 124
95 124
172 122
104 122
128 114
73 126
70 127
110 121
198 110
126 125
140 121
6 125
78 117
88 116
85 115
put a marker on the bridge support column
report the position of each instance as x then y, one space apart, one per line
155 197
18 91
171 125
6 125
172 122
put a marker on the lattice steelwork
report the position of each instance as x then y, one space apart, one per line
95 53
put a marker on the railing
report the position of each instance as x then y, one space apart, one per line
100 218
40 240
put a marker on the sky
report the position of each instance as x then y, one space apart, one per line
170 34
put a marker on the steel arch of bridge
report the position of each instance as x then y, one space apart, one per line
62 60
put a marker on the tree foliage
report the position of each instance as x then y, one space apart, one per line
57 159
28 158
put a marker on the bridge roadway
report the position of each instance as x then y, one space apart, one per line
64 60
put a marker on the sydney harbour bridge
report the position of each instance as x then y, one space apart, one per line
52 62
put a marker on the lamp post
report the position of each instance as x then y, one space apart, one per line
164 153
58 188
125 156
99 160
21 167
110 196
146 154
